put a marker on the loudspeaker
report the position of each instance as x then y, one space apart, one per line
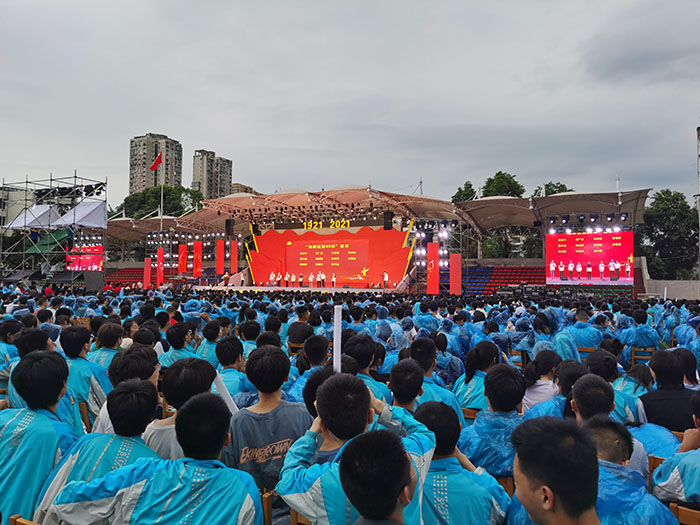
388 218
230 223
94 281
256 229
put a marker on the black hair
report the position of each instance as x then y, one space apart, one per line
423 350
505 387
144 336
273 324
314 381
689 364
348 365
567 373
131 406
31 340
186 378
612 440
74 339
211 331
568 465
283 315
29 321
177 335
639 316
96 322
44 316
361 348
202 426
481 357
667 368
695 403
593 395
9 327
250 330
138 362
39 378
544 363
614 346
342 402
406 380
316 349
356 313
267 368
228 350
602 363
641 373
442 421
268 338
109 334
163 319
374 469
148 311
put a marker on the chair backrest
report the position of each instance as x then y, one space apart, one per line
85 415
520 354
679 435
19 520
294 347
266 498
654 462
469 413
297 519
82 321
641 355
508 484
583 351
685 515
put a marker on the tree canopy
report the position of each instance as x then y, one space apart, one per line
464 193
502 184
551 188
175 201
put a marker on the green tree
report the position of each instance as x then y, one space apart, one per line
502 184
551 188
670 234
175 201
532 246
464 193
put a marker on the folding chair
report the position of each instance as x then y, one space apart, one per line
679 435
85 415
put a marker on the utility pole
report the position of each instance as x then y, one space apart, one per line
697 198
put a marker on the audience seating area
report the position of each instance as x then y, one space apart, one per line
485 280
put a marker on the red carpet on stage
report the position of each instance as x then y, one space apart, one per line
358 260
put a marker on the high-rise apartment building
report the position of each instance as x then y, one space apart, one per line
211 175
143 151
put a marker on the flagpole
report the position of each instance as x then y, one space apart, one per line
161 207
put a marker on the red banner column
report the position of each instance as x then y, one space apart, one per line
234 257
456 273
220 256
160 267
182 258
147 272
197 261
433 268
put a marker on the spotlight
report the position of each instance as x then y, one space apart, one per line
581 218
552 231
568 230
565 219
553 220
608 230
617 229
589 229
610 217
593 217
598 229
623 217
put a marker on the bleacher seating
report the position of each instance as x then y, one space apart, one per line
485 280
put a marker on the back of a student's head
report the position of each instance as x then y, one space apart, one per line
689 365
96 322
316 349
268 338
375 473
202 425
186 378
343 403
592 396
612 440
312 385
361 348
212 331
109 335
138 362
567 373
482 357
229 350
74 339
639 316
602 363
273 324
144 336
250 330
505 387
667 368
267 368
131 406
163 319
544 363
406 380
423 350
177 335
30 340
442 421
39 378
555 457
147 311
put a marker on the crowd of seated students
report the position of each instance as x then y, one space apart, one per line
170 408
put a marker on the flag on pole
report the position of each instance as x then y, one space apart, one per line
157 162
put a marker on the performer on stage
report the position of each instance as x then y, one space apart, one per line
611 269
323 279
589 270
294 279
553 269
561 270
318 280
601 269
286 280
272 278
385 276
618 266
628 269
279 280
570 268
333 279
579 268
301 279
311 280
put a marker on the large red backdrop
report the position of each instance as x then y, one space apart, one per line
357 259
597 248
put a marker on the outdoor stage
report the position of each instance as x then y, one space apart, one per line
296 289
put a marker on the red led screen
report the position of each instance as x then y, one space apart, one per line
358 260
85 258
590 258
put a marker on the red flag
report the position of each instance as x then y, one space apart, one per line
197 260
157 162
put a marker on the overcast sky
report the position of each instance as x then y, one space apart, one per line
317 94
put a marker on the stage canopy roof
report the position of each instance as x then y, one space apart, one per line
41 216
356 203
87 214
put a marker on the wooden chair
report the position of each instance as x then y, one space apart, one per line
85 415
266 498
684 515
673 337
653 463
82 321
297 519
469 413
679 435
3 391
583 351
294 348
518 353
642 355
508 484
19 520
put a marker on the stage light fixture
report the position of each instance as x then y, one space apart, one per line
617 229
568 230
610 217
552 231
608 230
623 217
589 229
565 219
581 218
599 229
553 220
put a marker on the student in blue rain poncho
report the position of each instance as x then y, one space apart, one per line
671 319
326 327
584 334
8 330
131 407
566 374
32 439
487 442
636 382
449 367
212 331
423 350
523 340
469 388
179 335
152 490
316 352
109 339
425 319
641 336
539 379
362 349
603 364
229 352
657 440
455 491
546 326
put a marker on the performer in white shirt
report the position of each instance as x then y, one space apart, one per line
333 279
601 269
553 269
286 280
311 280
294 280
272 279
385 276
579 269
589 270
561 270
323 279
571 270
628 269
318 280
611 269
279 279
